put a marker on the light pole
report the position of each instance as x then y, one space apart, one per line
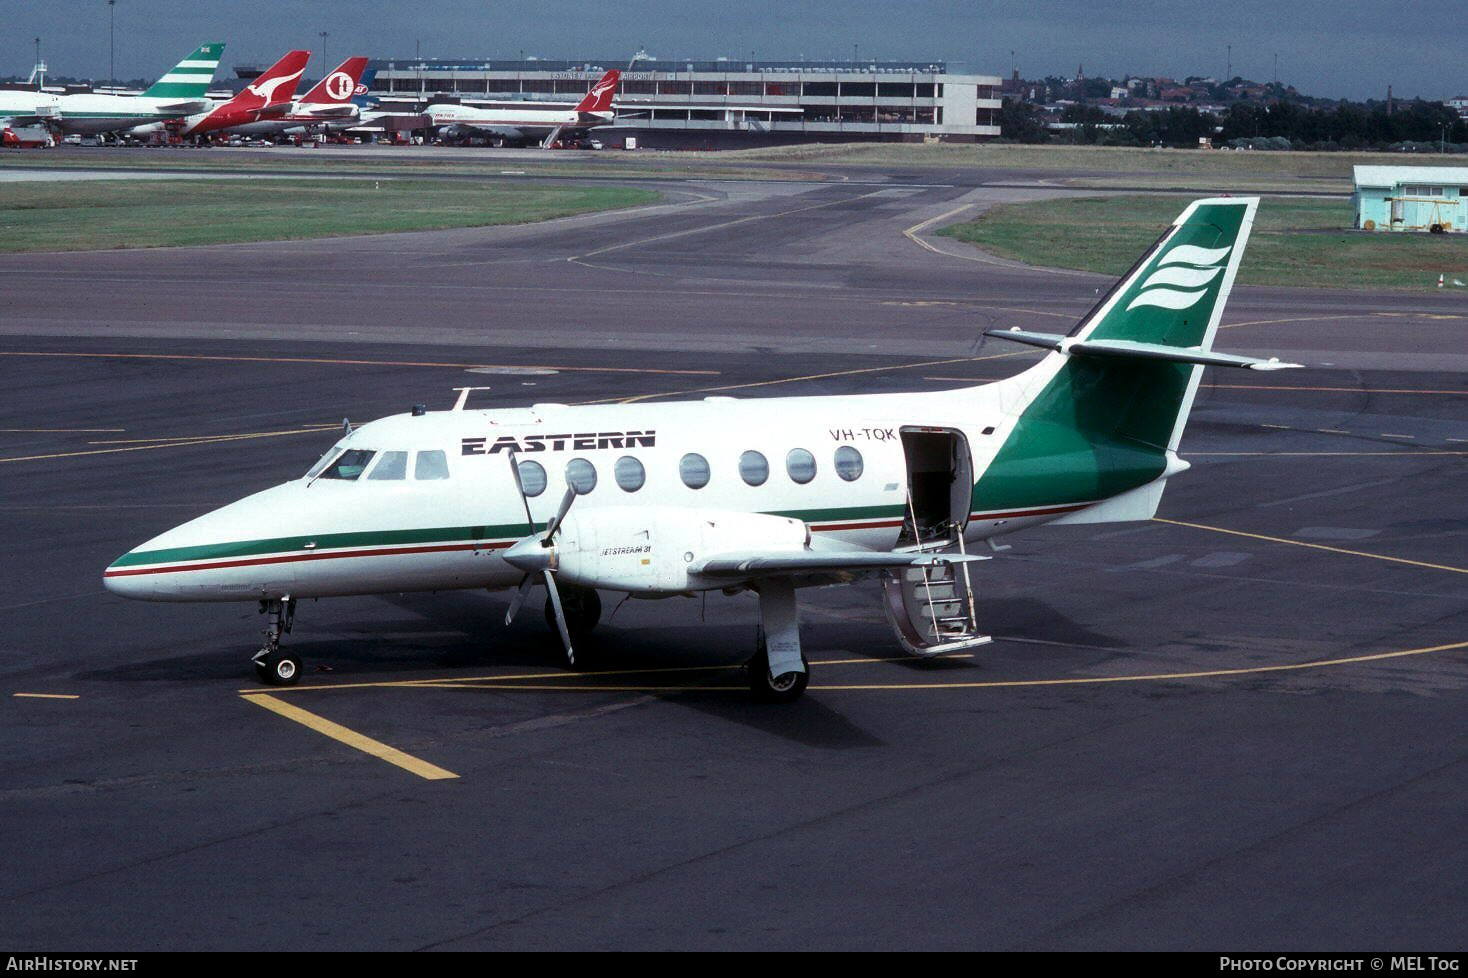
111 43
323 54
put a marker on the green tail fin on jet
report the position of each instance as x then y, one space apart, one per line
1100 426
190 78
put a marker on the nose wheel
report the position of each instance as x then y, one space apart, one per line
581 606
273 665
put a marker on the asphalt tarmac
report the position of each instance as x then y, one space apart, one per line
1238 727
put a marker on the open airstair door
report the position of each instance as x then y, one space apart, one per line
939 487
931 609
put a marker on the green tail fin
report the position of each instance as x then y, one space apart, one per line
190 78
1175 294
1096 427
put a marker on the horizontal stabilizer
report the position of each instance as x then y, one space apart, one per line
188 107
344 111
756 563
1133 349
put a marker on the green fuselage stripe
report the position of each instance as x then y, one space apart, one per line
426 535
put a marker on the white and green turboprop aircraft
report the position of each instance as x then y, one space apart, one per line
724 494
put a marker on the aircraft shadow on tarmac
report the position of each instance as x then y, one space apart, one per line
466 631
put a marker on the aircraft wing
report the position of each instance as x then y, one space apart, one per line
753 563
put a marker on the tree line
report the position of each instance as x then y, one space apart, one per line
1275 125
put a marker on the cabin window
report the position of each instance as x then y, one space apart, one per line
801 465
693 468
629 473
848 463
321 462
581 476
754 468
392 465
349 464
532 478
431 465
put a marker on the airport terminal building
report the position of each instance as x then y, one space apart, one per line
730 103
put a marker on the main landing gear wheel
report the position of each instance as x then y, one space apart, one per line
582 608
785 688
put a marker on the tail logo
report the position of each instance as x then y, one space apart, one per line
340 86
266 89
600 89
1181 278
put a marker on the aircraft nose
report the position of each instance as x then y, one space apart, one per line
126 581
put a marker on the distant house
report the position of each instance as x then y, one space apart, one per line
1411 198
1459 103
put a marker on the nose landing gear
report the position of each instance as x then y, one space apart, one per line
274 666
581 606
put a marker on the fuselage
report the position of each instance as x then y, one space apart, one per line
13 103
526 120
302 118
93 114
435 504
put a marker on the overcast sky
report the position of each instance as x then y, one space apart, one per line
1335 48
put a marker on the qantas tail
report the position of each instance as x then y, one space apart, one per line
338 87
190 78
598 101
275 87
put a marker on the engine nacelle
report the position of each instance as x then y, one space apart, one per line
649 548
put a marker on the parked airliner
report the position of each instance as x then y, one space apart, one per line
727 494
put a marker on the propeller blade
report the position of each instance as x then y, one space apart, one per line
566 501
526 583
520 488
555 600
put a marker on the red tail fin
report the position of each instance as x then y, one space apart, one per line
339 86
275 86
599 99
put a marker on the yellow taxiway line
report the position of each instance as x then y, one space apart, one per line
203 440
355 363
791 380
46 696
351 738
53 431
1314 546
1164 676
912 233
445 681
980 684
1402 452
